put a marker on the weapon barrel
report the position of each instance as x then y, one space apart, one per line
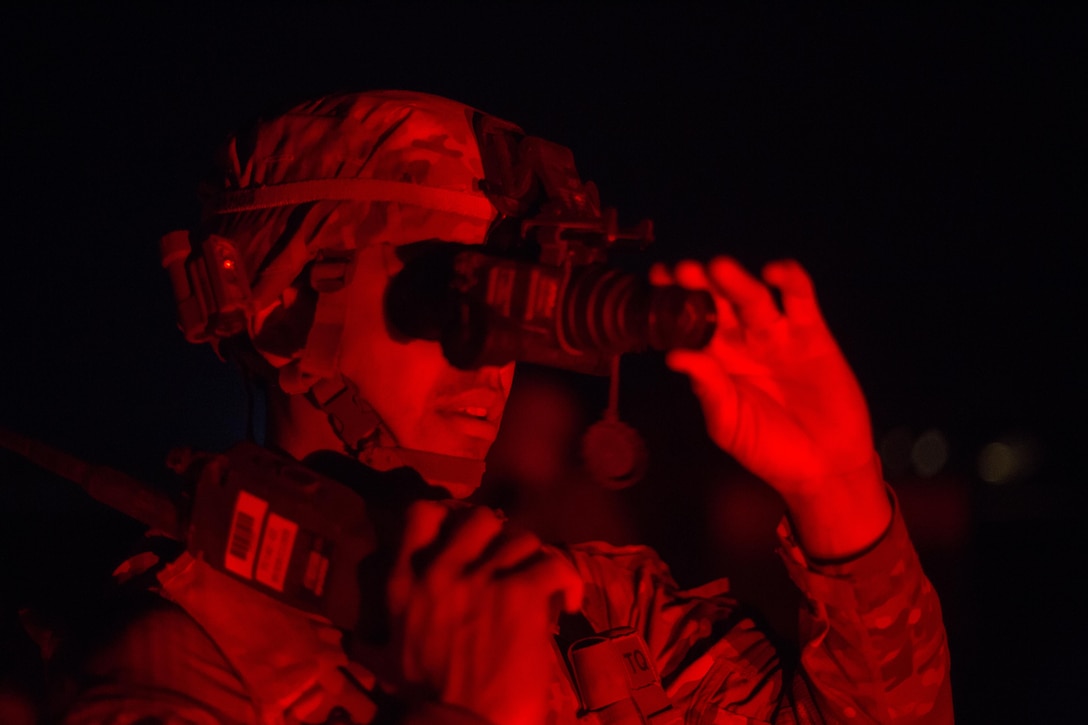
117 490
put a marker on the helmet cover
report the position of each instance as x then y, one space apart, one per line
339 173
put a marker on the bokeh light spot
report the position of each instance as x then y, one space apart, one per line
929 453
997 463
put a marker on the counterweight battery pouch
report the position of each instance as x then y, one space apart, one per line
617 681
280 527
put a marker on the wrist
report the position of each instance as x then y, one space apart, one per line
840 516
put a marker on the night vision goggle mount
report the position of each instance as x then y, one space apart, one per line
541 289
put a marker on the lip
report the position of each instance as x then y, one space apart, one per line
472 427
479 405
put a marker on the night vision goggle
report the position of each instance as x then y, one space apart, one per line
542 289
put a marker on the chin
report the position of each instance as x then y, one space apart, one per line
456 444
475 449
459 490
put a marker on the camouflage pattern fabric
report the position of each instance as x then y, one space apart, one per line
419 142
873 649
395 136
873 646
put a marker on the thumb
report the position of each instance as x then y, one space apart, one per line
714 388
553 572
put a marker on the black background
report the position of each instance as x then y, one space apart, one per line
927 166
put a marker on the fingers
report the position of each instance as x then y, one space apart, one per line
750 302
471 533
692 275
423 521
751 299
660 275
716 392
798 295
441 546
519 558
510 551
551 572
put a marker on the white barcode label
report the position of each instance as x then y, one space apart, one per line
245 530
279 539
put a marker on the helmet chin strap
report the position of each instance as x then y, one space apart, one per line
367 438
358 426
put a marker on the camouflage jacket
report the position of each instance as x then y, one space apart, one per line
873 649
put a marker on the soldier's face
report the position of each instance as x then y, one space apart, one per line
425 402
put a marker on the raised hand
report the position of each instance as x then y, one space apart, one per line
779 396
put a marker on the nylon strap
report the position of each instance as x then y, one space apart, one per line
300 192
329 276
363 434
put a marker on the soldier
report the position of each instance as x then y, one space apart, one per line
320 208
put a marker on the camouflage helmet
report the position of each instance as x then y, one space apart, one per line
297 193
294 196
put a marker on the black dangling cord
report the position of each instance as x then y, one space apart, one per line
613 451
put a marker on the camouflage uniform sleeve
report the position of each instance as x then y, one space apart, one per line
873 646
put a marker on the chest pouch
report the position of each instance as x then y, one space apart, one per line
617 680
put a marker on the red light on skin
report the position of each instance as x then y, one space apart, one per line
228 264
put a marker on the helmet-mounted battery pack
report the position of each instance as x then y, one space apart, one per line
211 289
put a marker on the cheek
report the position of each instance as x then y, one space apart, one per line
398 380
405 381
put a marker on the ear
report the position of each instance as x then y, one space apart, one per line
279 330
289 296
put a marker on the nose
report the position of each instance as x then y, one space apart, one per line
498 378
